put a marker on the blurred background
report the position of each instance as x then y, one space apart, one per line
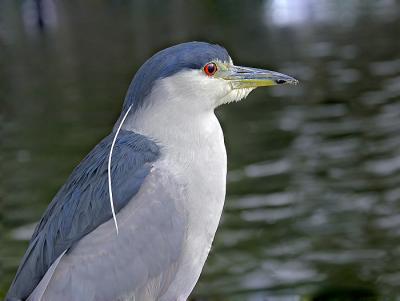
313 198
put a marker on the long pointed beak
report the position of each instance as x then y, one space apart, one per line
246 77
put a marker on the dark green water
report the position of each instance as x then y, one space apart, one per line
313 204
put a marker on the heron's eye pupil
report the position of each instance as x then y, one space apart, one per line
210 69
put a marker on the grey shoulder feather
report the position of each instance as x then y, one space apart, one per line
82 204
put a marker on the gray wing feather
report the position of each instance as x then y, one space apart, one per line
138 264
82 204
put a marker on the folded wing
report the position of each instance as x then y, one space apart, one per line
82 204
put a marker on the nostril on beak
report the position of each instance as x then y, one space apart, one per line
280 81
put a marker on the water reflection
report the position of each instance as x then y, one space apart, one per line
304 12
313 187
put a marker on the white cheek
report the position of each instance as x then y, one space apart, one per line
194 88
191 91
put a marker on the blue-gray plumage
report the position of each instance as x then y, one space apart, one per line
168 173
82 204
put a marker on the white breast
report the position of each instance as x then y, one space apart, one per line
192 147
202 169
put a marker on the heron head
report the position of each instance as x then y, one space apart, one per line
199 76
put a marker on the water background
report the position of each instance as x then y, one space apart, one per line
313 196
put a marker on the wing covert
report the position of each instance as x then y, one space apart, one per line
82 204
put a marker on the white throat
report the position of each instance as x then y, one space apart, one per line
178 113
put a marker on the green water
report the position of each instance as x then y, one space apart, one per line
313 196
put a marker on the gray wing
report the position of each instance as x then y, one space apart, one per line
140 262
82 204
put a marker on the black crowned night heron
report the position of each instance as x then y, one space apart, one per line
136 218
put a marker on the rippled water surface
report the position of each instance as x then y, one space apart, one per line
313 198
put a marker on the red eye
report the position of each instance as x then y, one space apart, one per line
210 69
